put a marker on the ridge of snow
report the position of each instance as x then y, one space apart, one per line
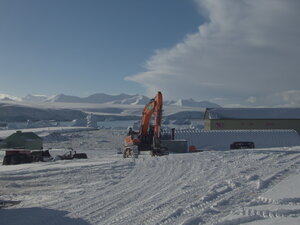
133 100
35 98
6 97
63 98
97 98
101 98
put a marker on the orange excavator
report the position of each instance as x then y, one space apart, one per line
148 137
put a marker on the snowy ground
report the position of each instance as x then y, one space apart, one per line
225 187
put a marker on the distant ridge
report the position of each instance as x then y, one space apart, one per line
101 98
5 97
35 98
64 98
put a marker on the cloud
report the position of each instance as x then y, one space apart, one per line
289 98
245 50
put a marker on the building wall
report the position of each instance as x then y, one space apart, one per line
207 123
222 139
243 124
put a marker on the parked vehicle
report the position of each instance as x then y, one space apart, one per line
20 156
242 145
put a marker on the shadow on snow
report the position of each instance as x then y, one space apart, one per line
37 216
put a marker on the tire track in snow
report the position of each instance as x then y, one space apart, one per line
289 167
167 207
176 189
138 209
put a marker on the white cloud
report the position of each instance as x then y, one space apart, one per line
289 98
245 50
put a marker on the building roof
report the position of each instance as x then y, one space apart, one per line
26 135
253 113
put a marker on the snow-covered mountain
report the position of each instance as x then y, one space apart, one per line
105 98
5 97
129 100
35 98
100 98
133 100
64 98
66 107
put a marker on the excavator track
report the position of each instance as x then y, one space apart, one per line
131 152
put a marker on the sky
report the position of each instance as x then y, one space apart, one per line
82 47
234 52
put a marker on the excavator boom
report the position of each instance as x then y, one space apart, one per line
158 114
153 107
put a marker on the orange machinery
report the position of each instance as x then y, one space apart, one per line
148 137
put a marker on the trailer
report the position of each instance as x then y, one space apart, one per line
20 156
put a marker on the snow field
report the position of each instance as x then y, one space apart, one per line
215 187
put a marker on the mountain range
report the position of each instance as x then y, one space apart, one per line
101 98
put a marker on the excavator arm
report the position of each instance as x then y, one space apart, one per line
158 114
153 107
